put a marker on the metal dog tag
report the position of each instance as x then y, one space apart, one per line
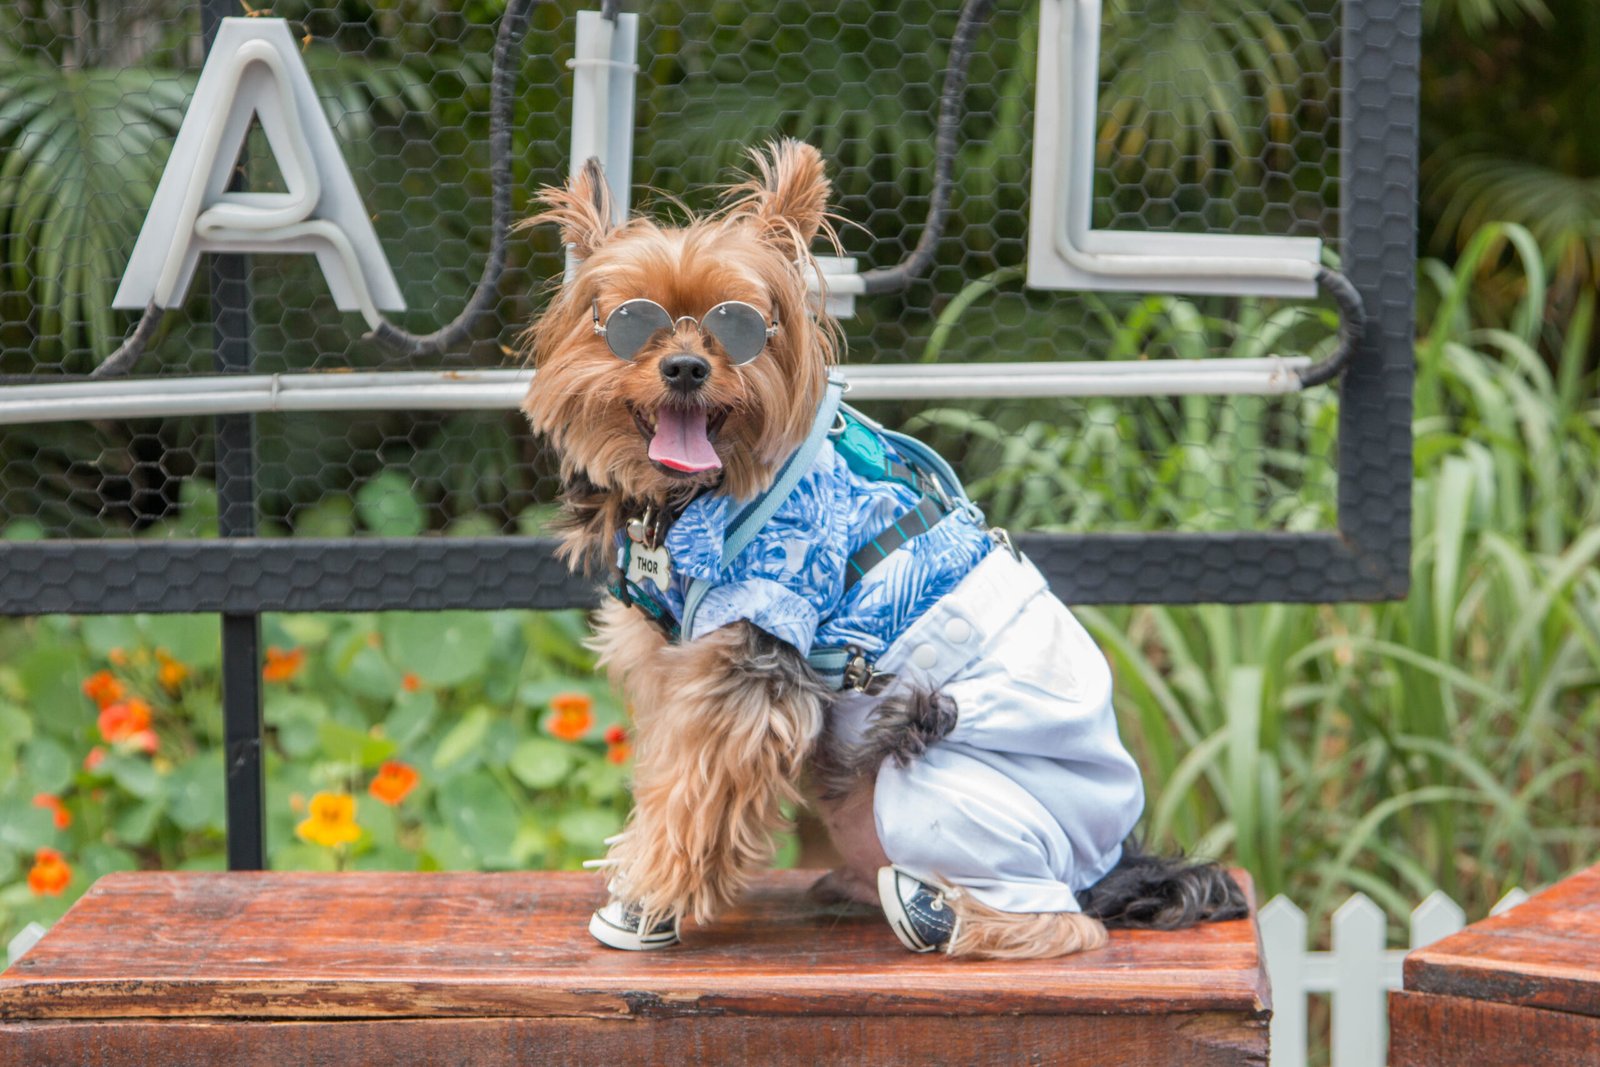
651 563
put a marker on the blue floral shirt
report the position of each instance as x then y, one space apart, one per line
789 580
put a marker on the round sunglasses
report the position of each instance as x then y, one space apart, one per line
739 328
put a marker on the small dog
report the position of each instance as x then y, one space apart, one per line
962 743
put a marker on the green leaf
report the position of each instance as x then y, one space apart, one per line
138 823
412 715
194 640
372 675
46 765
443 648
297 719
348 745
195 789
331 518
482 815
133 774
387 507
588 827
540 763
102 633
24 827
464 739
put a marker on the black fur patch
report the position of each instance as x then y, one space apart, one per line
902 728
1146 892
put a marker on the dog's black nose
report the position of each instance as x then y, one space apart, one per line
684 372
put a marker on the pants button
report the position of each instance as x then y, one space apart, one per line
959 631
925 657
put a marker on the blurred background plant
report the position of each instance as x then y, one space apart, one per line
1446 741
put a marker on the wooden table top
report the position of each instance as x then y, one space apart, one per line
375 945
1544 953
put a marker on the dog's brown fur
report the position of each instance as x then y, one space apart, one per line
723 725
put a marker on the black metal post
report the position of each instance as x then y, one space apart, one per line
235 473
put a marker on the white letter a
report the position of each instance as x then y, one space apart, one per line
255 70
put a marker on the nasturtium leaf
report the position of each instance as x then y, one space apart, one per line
387 506
413 713
333 517
442 648
588 827
464 739
102 633
193 640
134 774
297 718
482 815
195 791
371 675
540 763
25 827
347 745
134 826
46 765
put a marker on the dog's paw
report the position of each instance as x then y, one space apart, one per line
905 727
842 888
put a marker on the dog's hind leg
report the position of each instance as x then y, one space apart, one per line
723 726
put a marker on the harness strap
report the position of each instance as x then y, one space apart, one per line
919 520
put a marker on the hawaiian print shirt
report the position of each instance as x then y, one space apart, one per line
790 579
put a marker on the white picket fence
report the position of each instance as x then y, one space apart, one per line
1356 973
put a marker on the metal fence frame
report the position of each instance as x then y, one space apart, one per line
240 576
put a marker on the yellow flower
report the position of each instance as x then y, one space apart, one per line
332 821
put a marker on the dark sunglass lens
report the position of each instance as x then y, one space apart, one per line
630 327
739 328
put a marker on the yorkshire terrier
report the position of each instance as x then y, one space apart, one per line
961 739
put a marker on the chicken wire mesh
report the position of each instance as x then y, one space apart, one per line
1218 117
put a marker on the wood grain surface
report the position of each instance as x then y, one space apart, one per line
1426 1030
305 946
1544 953
1187 1040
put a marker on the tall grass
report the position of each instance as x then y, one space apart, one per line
1449 741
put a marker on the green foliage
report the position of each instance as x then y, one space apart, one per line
461 699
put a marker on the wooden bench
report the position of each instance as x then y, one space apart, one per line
1520 988
277 968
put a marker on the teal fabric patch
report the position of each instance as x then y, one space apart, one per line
862 450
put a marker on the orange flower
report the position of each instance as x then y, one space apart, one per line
63 817
172 673
120 722
572 715
118 657
145 741
393 782
92 761
103 688
332 820
617 748
50 873
282 666
410 682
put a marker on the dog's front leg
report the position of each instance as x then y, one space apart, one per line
722 728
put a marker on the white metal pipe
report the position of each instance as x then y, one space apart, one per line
503 390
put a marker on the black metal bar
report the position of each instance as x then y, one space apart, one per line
235 479
497 573
1379 75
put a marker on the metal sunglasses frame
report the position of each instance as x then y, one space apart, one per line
604 330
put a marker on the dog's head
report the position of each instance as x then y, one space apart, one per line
678 358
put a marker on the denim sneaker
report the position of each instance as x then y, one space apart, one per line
918 913
617 926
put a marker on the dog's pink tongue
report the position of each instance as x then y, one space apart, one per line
681 442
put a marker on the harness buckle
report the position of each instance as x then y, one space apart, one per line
859 675
1002 537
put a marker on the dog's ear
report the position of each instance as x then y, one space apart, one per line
787 197
582 208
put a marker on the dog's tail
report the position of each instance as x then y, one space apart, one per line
1148 892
